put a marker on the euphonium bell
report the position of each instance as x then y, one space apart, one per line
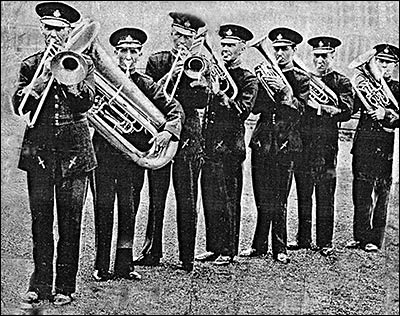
69 68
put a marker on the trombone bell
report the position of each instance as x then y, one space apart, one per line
69 68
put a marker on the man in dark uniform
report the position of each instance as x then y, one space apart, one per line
373 147
316 164
57 154
118 177
187 162
222 174
274 143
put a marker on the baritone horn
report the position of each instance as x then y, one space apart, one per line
122 112
268 68
68 65
370 85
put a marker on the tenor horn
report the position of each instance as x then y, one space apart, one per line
122 112
320 93
268 68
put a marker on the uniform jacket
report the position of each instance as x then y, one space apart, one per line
224 126
173 113
277 130
158 65
320 133
61 133
374 141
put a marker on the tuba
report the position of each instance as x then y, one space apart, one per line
124 116
370 85
268 68
320 94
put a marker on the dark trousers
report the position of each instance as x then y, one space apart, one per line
371 199
272 180
185 175
122 181
221 186
69 195
325 201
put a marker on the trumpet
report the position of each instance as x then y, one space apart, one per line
66 65
320 94
268 68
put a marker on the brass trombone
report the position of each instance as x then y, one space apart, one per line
65 64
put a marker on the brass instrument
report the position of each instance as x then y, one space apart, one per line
268 68
122 111
192 65
370 85
65 64
320 94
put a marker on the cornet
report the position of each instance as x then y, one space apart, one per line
67 65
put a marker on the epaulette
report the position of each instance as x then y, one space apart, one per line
33 55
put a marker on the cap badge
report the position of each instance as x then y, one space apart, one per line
57 13
279 37
187 24
321 44
129 38
386 50
229 32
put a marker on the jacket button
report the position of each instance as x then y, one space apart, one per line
56 106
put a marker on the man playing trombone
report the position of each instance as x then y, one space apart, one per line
330 102
377 100
281 100
166 67
222 174
57 154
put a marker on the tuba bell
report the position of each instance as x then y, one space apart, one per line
268 68
122 112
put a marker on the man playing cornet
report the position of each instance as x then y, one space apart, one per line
377 99
58 156
330 101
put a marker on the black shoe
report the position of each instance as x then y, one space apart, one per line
146 260
298 246
128 274
223 260
326 251
206 256
186 266
100 276
62 299
250 252
282 258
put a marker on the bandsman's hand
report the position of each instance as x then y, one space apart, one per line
276 83
200 83
378 114
161 141
331 110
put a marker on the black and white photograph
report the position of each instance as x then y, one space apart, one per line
200 157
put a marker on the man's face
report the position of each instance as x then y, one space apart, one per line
181 41
323 62
58 34
386 67
127 57
284 55
231 51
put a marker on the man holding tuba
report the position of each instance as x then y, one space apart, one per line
187 162
222 174
274 143
57 154
373 145
116 175
330 101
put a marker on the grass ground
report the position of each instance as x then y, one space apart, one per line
351 282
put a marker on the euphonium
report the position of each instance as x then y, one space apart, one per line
320 93
67 66
122 111
268 68
370 85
